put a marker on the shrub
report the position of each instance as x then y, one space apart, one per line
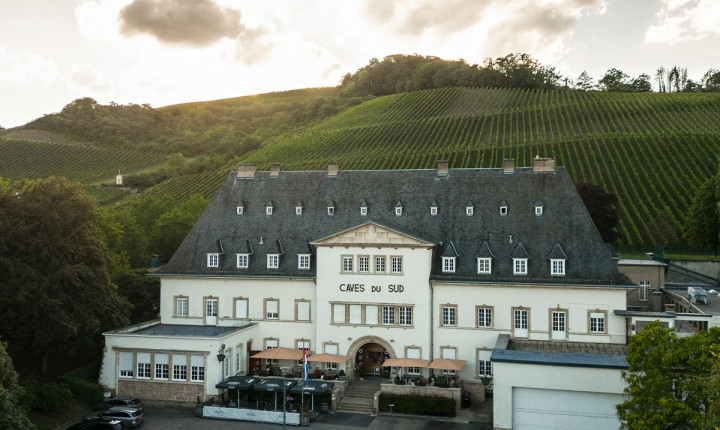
418 405
53 397
87 391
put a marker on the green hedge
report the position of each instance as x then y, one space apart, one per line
418 405
88 391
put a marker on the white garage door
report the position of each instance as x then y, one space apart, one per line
555 409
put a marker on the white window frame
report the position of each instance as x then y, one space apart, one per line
269 314
213 259
558 324
448 315
239 315
520 266
412 352
484 367
448 264
179 363
339 313
597 322
398 211
348 263
303 261
268 210
521 323
484 316
449 354
380 264
503 210
363 264
388 315
126 364
331 348
405 315
538 210
197 372
469 210
144 368
363 210
397 264
162 370
242 261
240 210
643 291
557 267
273 261
433 210
484 265
269 344
298 210
331 210
181 306
300 313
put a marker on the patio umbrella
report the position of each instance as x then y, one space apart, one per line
446 364
238 383
313 387
405 362
280 354
329 358
273 385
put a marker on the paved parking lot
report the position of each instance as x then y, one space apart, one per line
162 419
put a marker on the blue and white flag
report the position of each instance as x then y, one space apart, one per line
305 366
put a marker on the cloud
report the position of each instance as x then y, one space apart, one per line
88 79
195 23
255 44
27 69
685 20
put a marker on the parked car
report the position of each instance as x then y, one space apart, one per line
97 425
129 417
121 401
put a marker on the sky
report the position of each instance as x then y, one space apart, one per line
164 52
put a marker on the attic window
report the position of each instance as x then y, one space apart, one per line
520 266
433 209
484 265
331 208
298 209
240 209
557 267
243 261
269 208
469 209
273 261
448 264
213 260
503 208
363 209
538 208
303 261
398 209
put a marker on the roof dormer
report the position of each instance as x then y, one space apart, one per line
331 208
298 208
240 208
449 258
538 207
398 209
503 208
363 209
469 208
433 208
269 208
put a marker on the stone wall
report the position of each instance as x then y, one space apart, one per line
476 390
161 393
413 390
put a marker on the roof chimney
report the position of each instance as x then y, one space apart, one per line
543 165
332 169
274 170
509 166
443 166
246 171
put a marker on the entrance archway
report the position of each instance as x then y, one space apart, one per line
368 354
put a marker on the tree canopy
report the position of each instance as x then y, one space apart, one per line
56 268
702 224
671 382
602 208
12 415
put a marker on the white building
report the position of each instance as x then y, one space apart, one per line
445 263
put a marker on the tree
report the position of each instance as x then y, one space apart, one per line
55 291
12 415
584 82
660 77
702 224
669 379
615 80
172 227
641 84
602 208
711 81
662 229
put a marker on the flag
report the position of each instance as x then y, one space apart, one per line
305 366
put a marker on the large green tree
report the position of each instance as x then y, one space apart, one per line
55 292
602 208
702 224
670 380
12 415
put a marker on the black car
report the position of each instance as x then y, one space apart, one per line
97 425
128 417
121 401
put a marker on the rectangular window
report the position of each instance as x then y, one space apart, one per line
503 210
379 264
126 365
161 366
597 322
271 343
355 314
303 345
557 267
484 365
448 264
298 210
181 306
347 263
405 315
388 315
449 314
397 265
331 348
240 210
273 261
643 291
339 313
143 365
272 309
179 367
558 320
242 261
303 261
413 353
197 368
364 264
226 363
303 311
469 210
484 265
433 210
213 260
520 266
448 354
238 358
520 322
331 210
241 308
371 315
484 316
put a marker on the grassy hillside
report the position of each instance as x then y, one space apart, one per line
652 150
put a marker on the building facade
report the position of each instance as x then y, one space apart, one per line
435 263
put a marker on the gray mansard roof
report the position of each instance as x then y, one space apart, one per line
563 228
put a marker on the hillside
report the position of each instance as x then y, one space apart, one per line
652 150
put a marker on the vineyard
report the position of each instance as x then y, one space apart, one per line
652 150
33 159
180 188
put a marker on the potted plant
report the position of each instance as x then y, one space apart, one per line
341 374
198 408
305 417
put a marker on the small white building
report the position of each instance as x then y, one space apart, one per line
445 263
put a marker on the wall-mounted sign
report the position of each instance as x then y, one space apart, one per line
360 288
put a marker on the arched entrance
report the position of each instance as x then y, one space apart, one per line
369 353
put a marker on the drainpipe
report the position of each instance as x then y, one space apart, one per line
432 312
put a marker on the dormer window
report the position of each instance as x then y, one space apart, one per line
363 209
298 208
303 261
557 267
243 261
538 208
434 209
273 261
213 260
448 264
269 208
469 209
398 209
240 209
520 266
331 208
503 208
